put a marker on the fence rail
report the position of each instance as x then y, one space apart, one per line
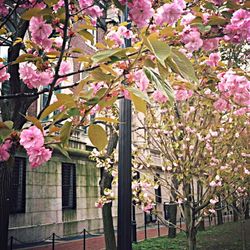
54 238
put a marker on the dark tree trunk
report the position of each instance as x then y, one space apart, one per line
106 182
247 210
201 226
235 213
173 210
5 187
218 206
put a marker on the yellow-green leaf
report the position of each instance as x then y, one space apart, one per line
86 35
106 119
140 104
104 55
65 132
35 121
28 14
51 108
97 136
160 49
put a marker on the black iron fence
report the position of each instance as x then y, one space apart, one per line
150 222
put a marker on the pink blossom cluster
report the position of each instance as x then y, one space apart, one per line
140 11
119 35
3 10
3 73
141 80
34 78
159 97
90 9
239 28
170 13
40 32
182 94
4 150
32 140
211 43
213 59
235 87
33 3
191 37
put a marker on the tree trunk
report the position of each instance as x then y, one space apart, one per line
243 233
247 210
201 226
106 182
173 209
235 214
192 239
5 187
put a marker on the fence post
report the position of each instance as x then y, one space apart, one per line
145 225
53 241
84 239
209 220
11 243
180 223
159 230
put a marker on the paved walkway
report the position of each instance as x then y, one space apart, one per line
95 243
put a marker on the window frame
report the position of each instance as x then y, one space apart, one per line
71 187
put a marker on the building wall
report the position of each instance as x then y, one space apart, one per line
43 213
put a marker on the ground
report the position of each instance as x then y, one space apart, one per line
224 237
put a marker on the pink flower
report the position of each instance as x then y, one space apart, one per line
191 39
40 32
240 111
159 97
38 156
211 44
34 78
187 19
214 59
238 30
94 11
183 94
85 3
65 68
4 148
3 9
168 13
141 80
3 73
222 105
31 138
140 12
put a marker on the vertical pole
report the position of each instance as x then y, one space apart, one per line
159 230
145 225
180 223
134 233
11 243
124 241
209 220
53 241
84 239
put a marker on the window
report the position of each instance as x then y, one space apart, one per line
158 191
68 186
17 199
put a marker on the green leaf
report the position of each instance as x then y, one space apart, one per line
140 104
217 20
51 108
9 124
27 15
35 121
86 35
139 93
65 132
160 84
106 119
97 136
160 49
180 64
99 75
104 55
107 102
62 150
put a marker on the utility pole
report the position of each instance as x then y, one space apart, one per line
124 241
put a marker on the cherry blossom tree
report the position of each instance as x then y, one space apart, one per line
167 40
